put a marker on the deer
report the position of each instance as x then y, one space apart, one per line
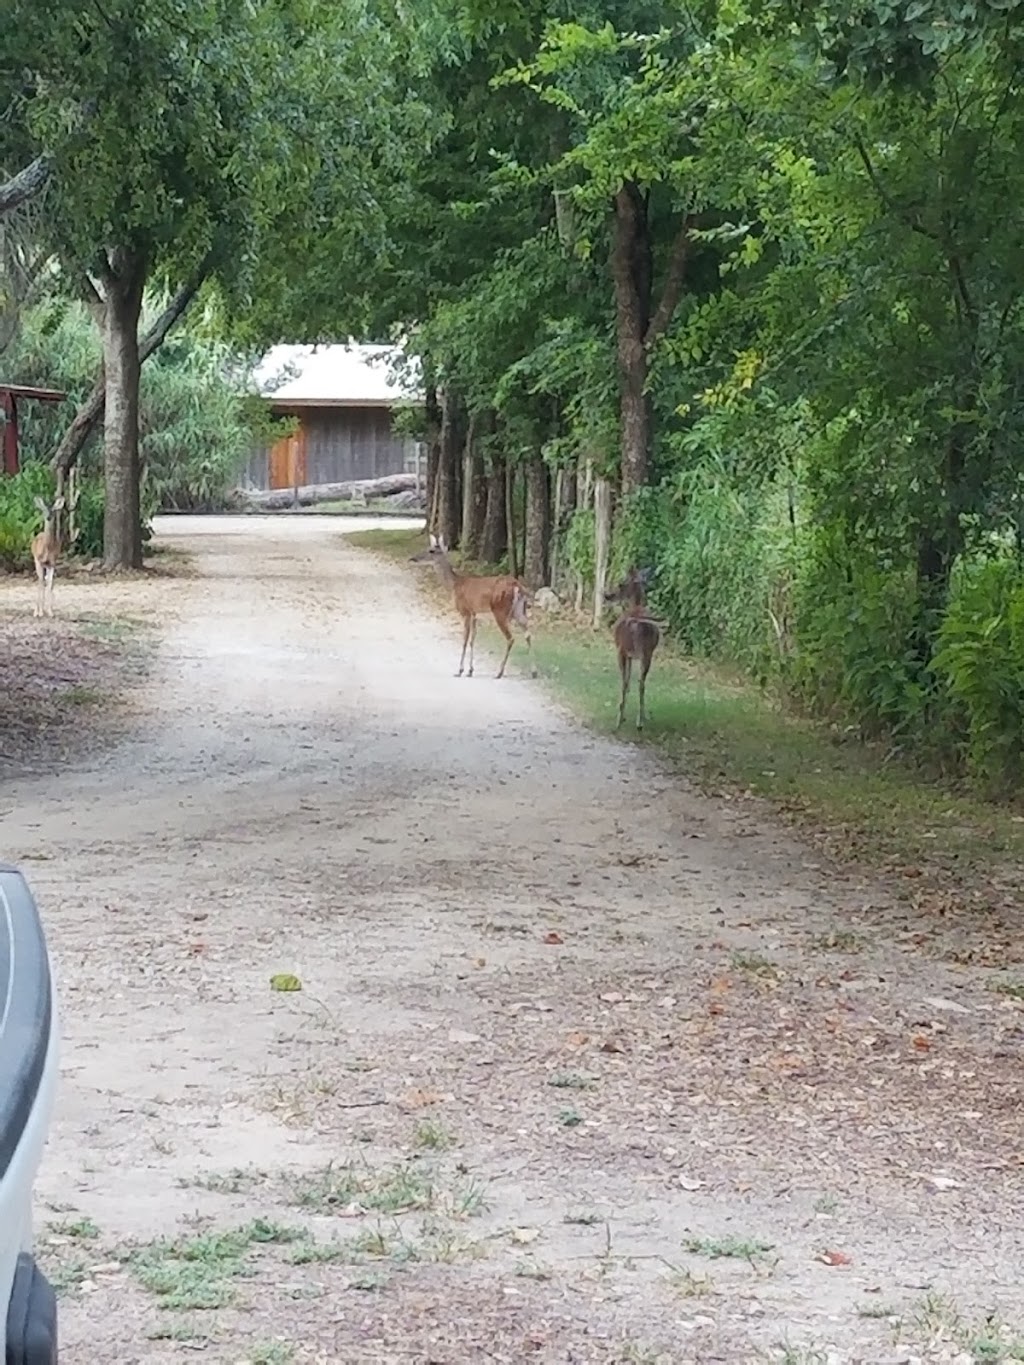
636 635
504 597
46 553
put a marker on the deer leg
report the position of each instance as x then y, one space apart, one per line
50 571
645 668
625 670
529 653
467 624
502 623
40 588
472 644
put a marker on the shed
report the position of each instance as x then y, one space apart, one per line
343 398
10 397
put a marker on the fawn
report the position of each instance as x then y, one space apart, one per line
636 636
45 554
504 597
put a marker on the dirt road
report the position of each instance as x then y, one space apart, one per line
583 1068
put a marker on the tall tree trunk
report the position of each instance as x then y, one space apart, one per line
632 270
124 281
494 538
514 560
449 510
433 410
474 488
602 543
538 522
25 184
89 415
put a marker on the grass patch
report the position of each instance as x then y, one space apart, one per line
1014 989
80 695
237 1181
433 1136
350 1188
755 964
198 1273
584 1218
726 1248
730 737
572 1080
81 1229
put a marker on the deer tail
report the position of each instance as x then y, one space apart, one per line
520 603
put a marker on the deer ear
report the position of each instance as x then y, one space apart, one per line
41 505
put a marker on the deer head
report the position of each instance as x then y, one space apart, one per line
632 591
436 550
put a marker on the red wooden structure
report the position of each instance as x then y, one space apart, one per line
10 396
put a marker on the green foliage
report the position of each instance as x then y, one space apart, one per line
981 661
19 516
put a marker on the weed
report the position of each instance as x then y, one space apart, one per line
433 1136
572 1080
826 1203
569 1118
754 963
66 1277
719 1248
838 941
81 695
269 1353
197 1273
401 1189
82 1229
236 1181
177 1331
1014 989
583 1218
691 1286
878 1310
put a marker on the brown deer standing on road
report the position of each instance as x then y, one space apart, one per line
45 554
504 597
636 636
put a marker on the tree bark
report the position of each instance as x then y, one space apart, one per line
474 488
602 543
449 509
124 279
632 269
433 410
514 560
494 537
89 415
538 522
632 266
23 186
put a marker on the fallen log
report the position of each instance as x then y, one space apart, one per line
278 499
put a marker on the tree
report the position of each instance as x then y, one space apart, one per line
205 128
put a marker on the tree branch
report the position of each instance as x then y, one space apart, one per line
25 184
673 288
89 415
902 212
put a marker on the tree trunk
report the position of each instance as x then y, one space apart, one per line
632 270
584 497
433 409
88 416
474 489
124 282
602 543
449 519
538 522
494 538
514 560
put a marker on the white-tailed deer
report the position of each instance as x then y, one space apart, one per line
504 597
636 636
46 553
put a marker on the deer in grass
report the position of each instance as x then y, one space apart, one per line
504 597
636 635
46 553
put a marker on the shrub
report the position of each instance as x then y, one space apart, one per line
980 659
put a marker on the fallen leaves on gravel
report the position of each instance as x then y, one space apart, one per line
834 1258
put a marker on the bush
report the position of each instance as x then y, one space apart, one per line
980 659
20 519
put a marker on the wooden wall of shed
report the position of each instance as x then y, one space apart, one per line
340 444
